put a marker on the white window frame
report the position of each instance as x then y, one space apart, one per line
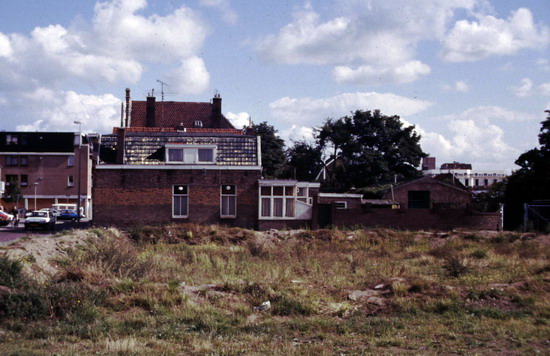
341 204
286 201
70 181
224 194
190 154
70 161
174 196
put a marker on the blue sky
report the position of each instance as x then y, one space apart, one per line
473 76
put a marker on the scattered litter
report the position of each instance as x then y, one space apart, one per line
379 286
264 306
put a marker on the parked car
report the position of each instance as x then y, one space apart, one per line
68 215
54 212
5 218
40 220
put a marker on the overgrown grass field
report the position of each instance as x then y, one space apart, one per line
196 290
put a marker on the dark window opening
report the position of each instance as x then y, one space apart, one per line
419 199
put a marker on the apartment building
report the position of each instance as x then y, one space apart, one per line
42 168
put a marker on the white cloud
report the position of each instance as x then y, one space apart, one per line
118 29
462 86
475 136
98 113
368 43
190 77
239 120
488 36
544 89
5 46
406 73
311 111
297 133
118 46
485 114
229 15
524 89
544 64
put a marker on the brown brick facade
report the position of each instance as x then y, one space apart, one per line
144 196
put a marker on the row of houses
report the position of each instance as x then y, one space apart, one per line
171 162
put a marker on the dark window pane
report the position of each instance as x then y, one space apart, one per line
419 199
206 155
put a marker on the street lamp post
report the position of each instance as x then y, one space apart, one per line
79 165
35 185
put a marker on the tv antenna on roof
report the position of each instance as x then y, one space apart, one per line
162 84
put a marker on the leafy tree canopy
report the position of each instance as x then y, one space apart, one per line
369 148
532 180
273 149
304 161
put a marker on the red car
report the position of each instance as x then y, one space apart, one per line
5 218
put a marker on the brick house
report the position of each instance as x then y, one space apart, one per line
45 167
176 162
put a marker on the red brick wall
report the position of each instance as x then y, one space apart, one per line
439 193
416 219
128 197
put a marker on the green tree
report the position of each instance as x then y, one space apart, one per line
304 161
273 149
12 193
532 180
369 148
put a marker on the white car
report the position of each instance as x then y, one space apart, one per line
40 219
51 210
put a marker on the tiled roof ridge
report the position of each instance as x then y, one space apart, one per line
185 130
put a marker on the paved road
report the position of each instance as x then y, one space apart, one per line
10 233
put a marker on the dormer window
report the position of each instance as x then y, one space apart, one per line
198 123
186 154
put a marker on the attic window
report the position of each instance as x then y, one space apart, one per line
186 154
198 123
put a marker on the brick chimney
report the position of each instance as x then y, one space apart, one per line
216 111
150 113
120 145
127 122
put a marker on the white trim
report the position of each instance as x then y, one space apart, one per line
339 195
178 166
174 216
228 195
259 150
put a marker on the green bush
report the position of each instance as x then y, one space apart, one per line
10 273
287 306
454 266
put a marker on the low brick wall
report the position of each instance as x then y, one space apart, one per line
417 219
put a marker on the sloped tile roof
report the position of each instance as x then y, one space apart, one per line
147 148
171 114
188 130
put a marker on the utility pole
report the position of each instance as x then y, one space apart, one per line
79 165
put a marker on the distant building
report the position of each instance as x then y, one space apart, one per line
474 179
45 167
